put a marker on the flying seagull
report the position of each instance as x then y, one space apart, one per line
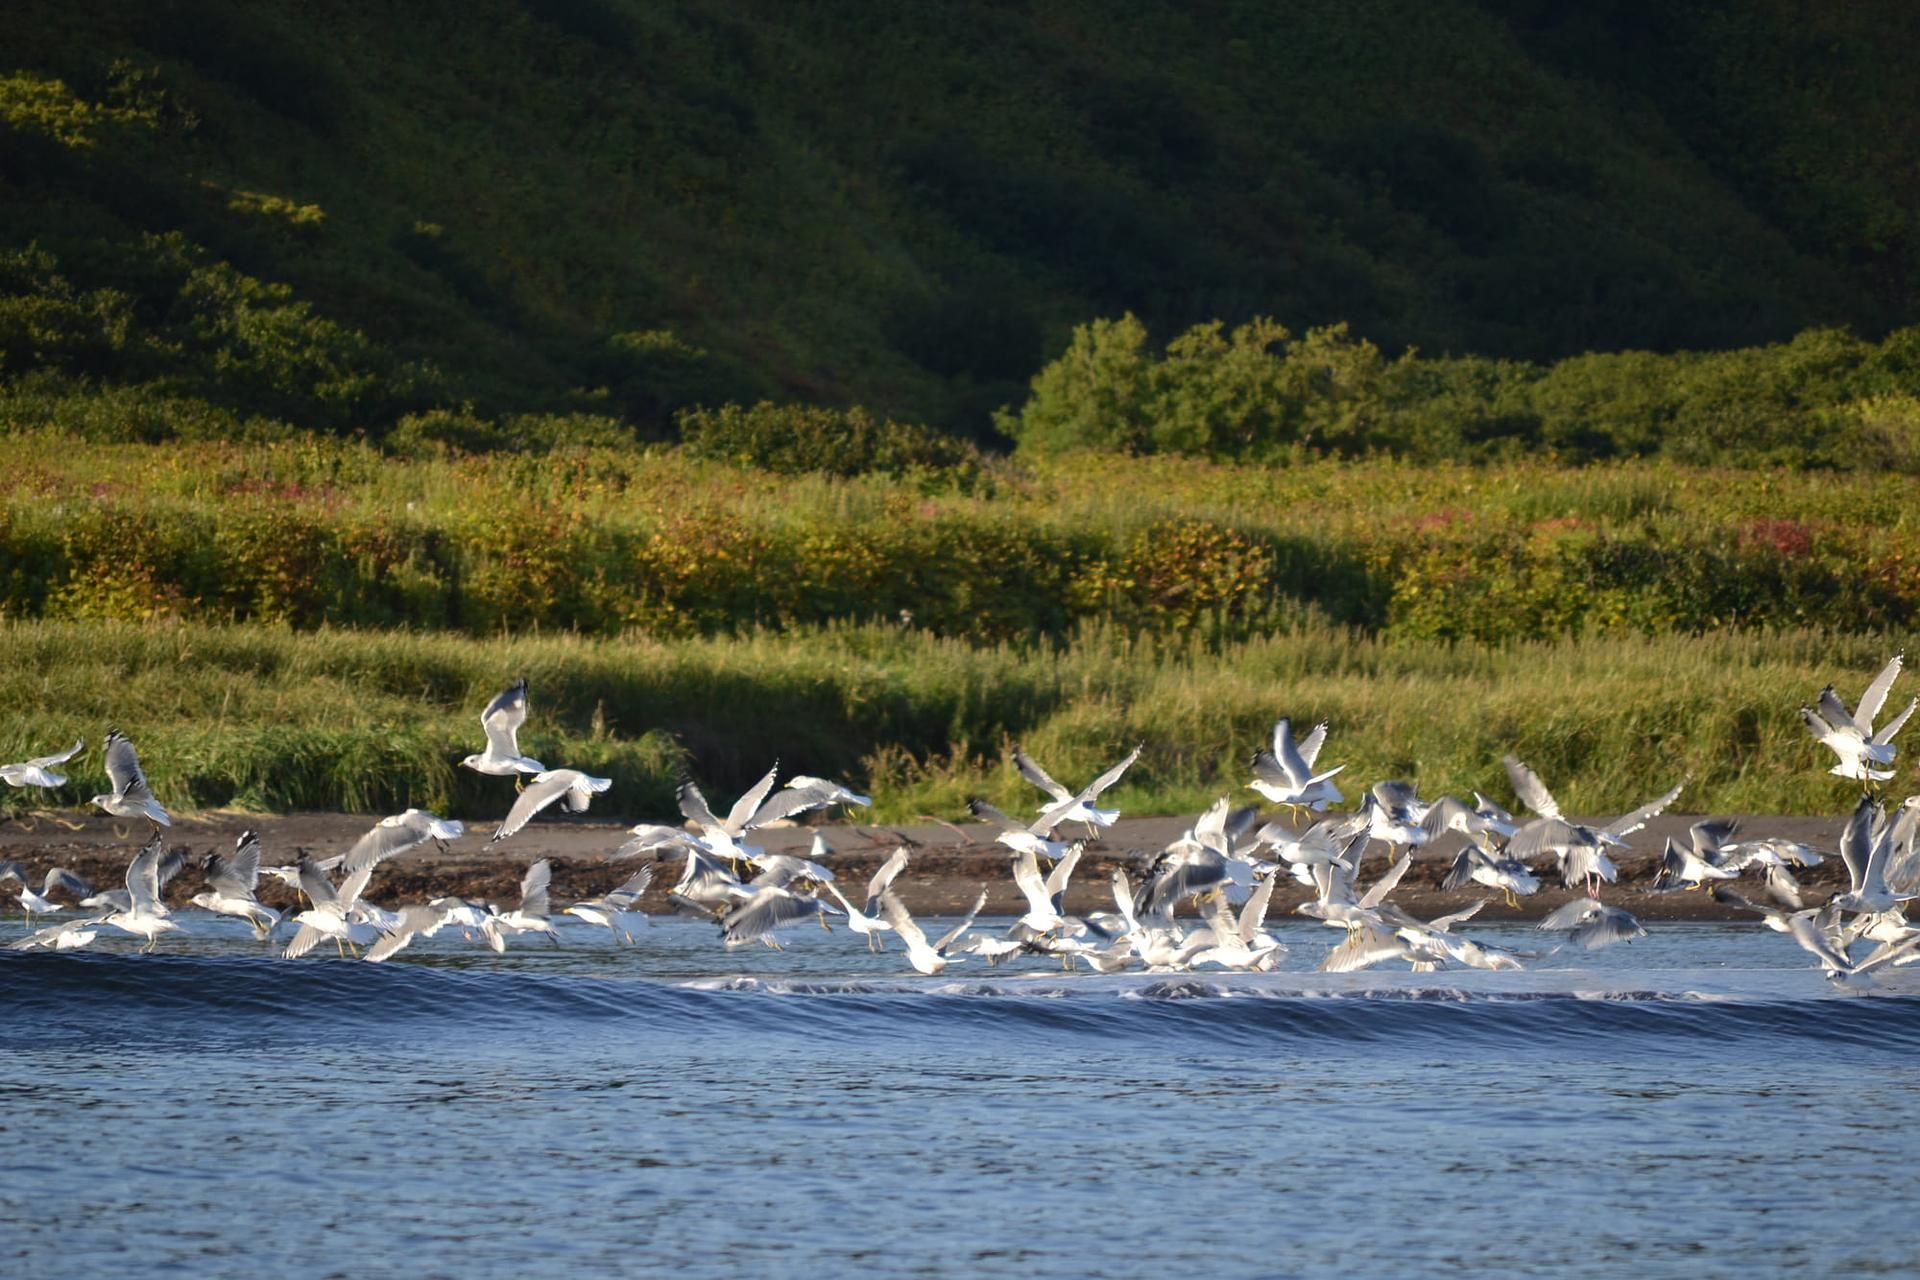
574 786
502 720
130 797
1863 750
39 772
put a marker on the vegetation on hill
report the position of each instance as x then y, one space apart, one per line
514 221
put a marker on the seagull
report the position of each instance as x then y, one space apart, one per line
758 807
1044 896
502 720
1198 861
1035 837
57 879
1851 735
531 915
145 916
39 772
331 912
1591 924
415 922
231 882
617 909
1285 775
1806 928
826 793
130 797
927 958
766 909
868 920
1509 875
1692 865
393 836
1069 806
1865 846
578 788
1579 849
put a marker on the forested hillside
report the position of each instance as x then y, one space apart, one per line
563 219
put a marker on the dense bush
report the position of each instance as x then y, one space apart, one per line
792 439
605 541
1824 400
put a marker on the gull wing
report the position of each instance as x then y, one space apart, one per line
1310 745
1110 777
1607 925
1856 842
1388 881
693 805
244 865
1533 793
744 809
1876 695
66 880
314 883
1449 813
1884 734
143 878
1834 711
1061 873
1627 824
389 838
413 920
883 878
903 923
1123 898
1253 914
123 768
987 813
764 912
1210 829
704 877
353 886
954 934
1026 876
1039 777
784 804
1570 915
47 762
533 888
1546 835
503 717
1289 756
631 888
1808 934
1446 922
544 790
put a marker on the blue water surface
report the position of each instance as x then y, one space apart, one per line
1698 1103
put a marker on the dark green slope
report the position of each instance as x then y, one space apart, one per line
620 207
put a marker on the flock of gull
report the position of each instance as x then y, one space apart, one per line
1203 901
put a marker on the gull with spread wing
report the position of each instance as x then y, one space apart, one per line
571 785
130 797
1286 774
39 772
1070 806
502 720
1863 750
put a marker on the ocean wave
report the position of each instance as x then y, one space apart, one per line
211 998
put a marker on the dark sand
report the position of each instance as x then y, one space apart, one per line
950 863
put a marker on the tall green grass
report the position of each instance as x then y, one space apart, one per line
269 719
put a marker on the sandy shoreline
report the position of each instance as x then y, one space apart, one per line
949 866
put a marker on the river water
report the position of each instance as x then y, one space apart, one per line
1700 1102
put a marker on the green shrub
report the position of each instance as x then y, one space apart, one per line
792 439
